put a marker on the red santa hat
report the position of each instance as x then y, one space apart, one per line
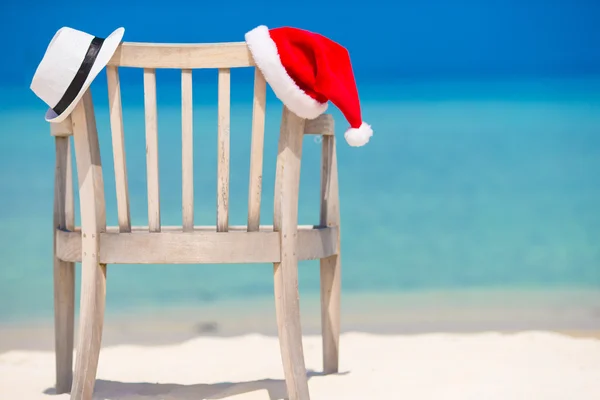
305 71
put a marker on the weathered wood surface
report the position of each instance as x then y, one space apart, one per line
118 142
331 279
93 223
182 56
174 246
257 149
64 271
285 272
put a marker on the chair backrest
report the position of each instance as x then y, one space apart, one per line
185 57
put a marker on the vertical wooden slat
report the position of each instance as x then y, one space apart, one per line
223 151
327 183
256 154
187 150
69 195
285 221
118 143
152 150
330 266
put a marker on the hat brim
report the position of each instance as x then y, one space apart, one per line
104 55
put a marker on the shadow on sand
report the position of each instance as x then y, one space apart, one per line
113 390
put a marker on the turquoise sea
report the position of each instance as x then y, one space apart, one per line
480 185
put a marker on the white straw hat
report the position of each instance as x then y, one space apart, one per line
71 62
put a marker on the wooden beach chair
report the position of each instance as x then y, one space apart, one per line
95 245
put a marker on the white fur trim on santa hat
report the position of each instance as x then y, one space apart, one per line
265 54
359 136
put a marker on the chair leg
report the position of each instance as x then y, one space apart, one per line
330 267
93 296
287 302
93 222
64 310
330 312
287 307
64 272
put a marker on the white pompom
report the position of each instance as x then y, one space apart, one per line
359 136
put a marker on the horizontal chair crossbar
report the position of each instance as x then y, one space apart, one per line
203 245
182 56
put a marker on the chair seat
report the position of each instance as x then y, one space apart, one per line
203 245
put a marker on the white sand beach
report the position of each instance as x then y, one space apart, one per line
527 365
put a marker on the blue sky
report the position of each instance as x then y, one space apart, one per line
426 38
